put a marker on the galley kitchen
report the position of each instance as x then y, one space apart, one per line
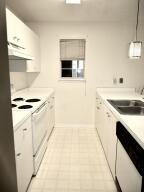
72 96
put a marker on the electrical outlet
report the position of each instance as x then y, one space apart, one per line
121 80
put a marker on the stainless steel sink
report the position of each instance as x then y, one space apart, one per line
128 107
131 110
127 103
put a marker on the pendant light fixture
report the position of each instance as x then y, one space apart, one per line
136 46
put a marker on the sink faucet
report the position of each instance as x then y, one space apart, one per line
142 91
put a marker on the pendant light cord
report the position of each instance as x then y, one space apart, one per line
138 9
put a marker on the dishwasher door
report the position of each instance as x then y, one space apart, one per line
127 175
129 162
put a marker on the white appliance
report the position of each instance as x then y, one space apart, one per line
16 52
40 121
130 162
39 108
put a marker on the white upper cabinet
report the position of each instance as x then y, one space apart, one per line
20 34
15 29
33 48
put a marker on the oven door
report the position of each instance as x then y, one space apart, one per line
40 126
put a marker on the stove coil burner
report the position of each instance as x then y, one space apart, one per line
13 105
25 107
32 100
18 99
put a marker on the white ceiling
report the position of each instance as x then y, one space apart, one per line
89 10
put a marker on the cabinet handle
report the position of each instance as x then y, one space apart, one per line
98 108
19 154
53 97
25 129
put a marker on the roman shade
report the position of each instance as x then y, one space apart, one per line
72 49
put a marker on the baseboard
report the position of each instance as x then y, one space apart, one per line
74 126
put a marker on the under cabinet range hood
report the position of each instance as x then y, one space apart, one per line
17 52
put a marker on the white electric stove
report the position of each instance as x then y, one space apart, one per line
38 106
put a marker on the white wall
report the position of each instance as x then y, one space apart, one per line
106 57
19 79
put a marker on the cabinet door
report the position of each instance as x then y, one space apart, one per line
97 120
20 34
18 138
15 29
52 113
98 117
32 45
105 128
27 154
11 26
112 142
24 155
49 120
20 168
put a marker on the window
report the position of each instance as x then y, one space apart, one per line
72 57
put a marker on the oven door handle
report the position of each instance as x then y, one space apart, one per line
40 110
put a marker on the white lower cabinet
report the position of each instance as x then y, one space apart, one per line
111 142
51 112
24 155
106 126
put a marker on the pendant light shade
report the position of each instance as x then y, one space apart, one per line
135 50
136 46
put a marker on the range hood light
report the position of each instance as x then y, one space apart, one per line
73 1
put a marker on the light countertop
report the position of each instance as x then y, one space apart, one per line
133 123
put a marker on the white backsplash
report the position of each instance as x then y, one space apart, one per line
19 80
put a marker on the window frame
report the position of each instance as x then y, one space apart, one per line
72 78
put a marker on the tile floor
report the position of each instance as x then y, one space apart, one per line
74 162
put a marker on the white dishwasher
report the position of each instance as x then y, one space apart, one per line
130 162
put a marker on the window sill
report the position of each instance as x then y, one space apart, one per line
73 79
